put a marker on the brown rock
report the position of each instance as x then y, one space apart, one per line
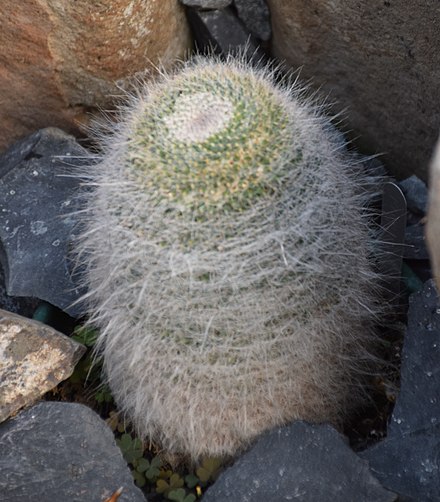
34 358
378 59
60 59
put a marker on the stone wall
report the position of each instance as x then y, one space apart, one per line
377 59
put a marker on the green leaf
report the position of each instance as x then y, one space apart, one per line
142 464
86 336
191 480
176 481
180 495
139 478
152 473
132 449
165 487
177 495
209 469
103 394
162 486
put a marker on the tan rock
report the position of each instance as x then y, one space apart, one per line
34 358
60 59
432 226
379 59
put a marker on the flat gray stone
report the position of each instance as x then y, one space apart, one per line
301 462
418 403
62 452
34 358
256 16
206 4
407 461
37 222
408 466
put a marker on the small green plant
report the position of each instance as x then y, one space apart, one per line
209 469
151 469
144 470
103 394
154 476
85 335
167 484
180 495
132 448
88 370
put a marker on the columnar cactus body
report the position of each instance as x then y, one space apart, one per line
227 247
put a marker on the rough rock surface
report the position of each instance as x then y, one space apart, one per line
222 31
59 452
300 462
34 358
255 15
407 462
60 59
416 194
37 220
379 60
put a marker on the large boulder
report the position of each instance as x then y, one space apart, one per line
60 59
378 60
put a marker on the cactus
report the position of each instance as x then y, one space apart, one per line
228 248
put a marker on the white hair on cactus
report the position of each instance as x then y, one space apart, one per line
227 246
198 116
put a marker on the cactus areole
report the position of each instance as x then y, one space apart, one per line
227 249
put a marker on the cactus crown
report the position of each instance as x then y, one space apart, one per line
213 139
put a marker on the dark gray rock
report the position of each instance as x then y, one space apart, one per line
300 462
206 4
407 461
16 304
256 16
14 155
415 245
416 194
56 452
38 200
221 31
418 404
408 465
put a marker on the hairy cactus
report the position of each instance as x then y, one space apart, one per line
227 248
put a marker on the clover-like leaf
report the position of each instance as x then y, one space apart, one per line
173 483
209 470
132 449
180 495
191 480
154 469
103 394
139 478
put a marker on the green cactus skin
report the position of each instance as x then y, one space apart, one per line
227 248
